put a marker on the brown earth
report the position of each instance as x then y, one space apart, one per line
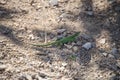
23 22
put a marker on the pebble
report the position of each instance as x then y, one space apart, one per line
85 36
2 56
75 48
60 36
2 12
22 78
90 13
102 41
25 77
62 68
111 1
64 64
79 43
110 56
2 67
31 36
37 77
68 46
118 64
3 1
61 30
29 77
105 54
54 2
114 51
87 45
65 15
117 8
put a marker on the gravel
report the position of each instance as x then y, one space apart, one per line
87 45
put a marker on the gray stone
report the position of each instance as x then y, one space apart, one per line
61 30
59 37
25 77
87 45
85 36
90 13
105 54
114 51
79 43
68 46
118 64
54 2
117 8
63 15
111 1
111 56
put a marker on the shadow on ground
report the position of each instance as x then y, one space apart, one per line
108 20
8 32
9 14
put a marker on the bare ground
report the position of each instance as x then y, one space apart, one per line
23 22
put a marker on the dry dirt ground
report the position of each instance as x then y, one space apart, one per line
23 22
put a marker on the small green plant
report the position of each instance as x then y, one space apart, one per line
72 57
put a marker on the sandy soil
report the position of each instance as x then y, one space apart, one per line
23 22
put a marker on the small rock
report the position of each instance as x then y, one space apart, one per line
2 55
64 64
114 51
85 36
111 56
61 30
75 48
31 36
118 64
18 70
111 1
60 36
66 15
54 2
102 41
38 77
2 67
63 15
62 68
117 8
68 46
3 1
105 54
87 45
29 77
25 77
79 43
22 78
90 13
42 75
2 12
